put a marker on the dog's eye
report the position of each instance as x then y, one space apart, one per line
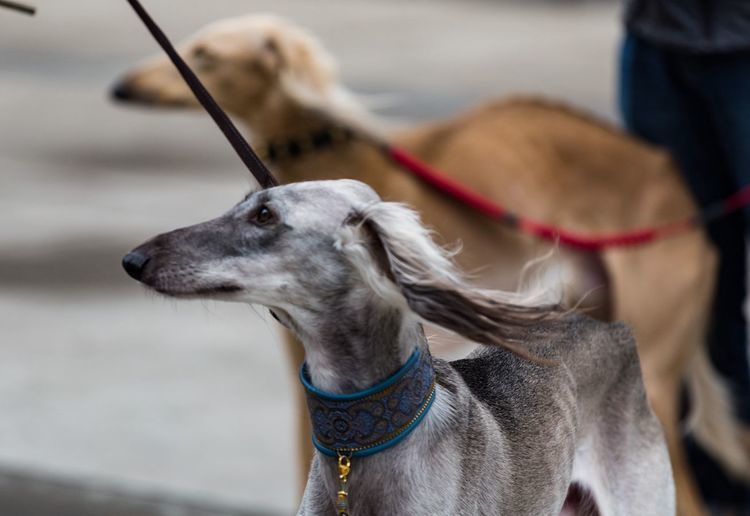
262 216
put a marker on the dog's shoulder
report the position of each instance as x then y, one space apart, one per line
501 380
573 343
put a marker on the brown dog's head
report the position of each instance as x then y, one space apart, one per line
243 62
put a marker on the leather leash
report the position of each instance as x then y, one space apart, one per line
243 149
16 6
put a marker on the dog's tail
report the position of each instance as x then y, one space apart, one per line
712 420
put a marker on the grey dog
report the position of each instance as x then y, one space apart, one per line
549 416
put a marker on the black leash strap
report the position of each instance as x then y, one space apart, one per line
21 8
240 144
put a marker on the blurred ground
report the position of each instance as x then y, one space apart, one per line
105 385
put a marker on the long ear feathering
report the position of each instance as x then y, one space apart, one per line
397 258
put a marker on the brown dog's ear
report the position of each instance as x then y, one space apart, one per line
405 257
270 59
298 59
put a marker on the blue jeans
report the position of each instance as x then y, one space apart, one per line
698 108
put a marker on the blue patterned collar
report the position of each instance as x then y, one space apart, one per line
369 421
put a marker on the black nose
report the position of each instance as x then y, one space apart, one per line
121 91
134 263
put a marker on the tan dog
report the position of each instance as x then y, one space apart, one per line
539 159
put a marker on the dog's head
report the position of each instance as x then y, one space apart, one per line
320 251
277 247
243 62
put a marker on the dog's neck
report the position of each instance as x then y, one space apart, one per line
282 121
282 118
350 350
351 354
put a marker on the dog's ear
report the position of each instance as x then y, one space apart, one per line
270 59
297 58
399 260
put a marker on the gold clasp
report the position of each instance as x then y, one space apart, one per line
345 466
342 496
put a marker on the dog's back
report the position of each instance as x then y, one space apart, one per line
584 421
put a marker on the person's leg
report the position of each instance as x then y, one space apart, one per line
662 104
658 104
725 84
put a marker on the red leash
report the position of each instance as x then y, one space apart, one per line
495 211
430 175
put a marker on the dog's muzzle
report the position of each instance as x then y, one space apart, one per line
134 263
